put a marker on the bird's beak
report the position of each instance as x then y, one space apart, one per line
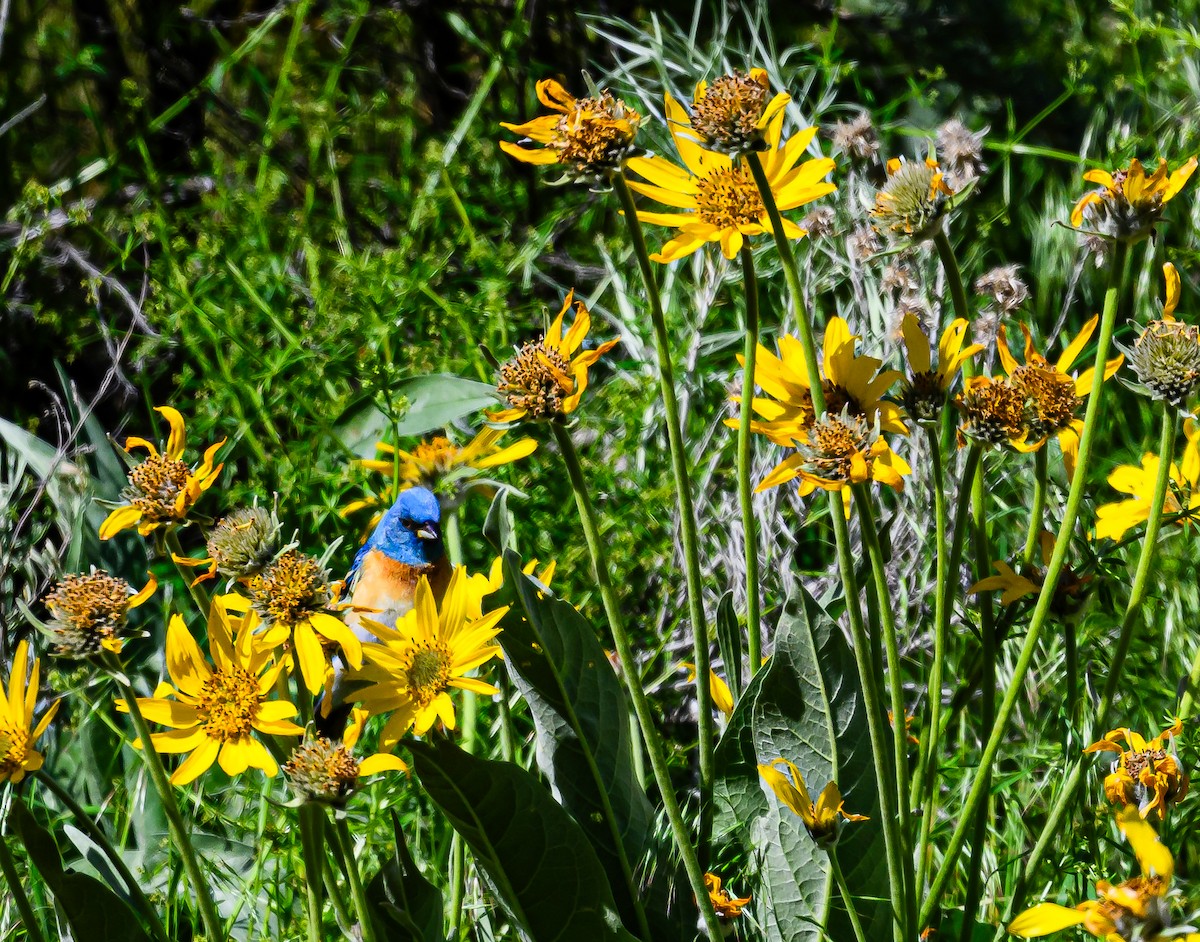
428 531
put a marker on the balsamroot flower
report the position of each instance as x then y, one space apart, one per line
1145 774
718 195
162 489
924 391
412 668
547 378
731 115
823 818
17 733
590 138
1166 357
1128 202
240 546
1069 594
1135 909
727 906
993 413
213 711
1182 498
327 772
88 612
913 200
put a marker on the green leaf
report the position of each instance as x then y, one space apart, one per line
406 906
805 706
437 400
729 641
584 745
533 855
93 911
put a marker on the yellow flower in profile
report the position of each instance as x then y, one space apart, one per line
1135 909
547 378
327 772
1182 498
726 905
1145 775
88 612
480 586
720 199
1052 397
722 696
731 115
1014 586
412 668
913 199
1010 583
822 819
590 138
162 489
17 733
924 391
1128 202
214 710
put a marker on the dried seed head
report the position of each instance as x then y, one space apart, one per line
244 543
993 411
1004 287
863 243
961 153
856 139
726 117
158 488
898 277
923 396
533 380
834 442
1050 399
912 201
595 138
290 590
88 613
322 771
1166 358
818 223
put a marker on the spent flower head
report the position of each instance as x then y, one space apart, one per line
162 488
88 612
730 115
819 223
992 412
240 546
1166 356
327 772
1129 201
1145 774
726 905
961 152
857 139
913 200
1003 287
590 138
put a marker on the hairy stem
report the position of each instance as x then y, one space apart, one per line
341 836
745 460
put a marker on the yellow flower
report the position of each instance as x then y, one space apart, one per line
17 755
722 696
411 670
213 711
547 379
726 905
1144 775
1128 202
240 546
924 391
162 489
993 413
1013 585
719 194
822 819
1052 396
731 115
1137 908
1068 594
327 772
589 137
88 612
913 200
1166 356
479 586
1182 498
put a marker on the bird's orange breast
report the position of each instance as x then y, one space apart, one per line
387 586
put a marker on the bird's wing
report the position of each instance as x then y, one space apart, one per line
355 571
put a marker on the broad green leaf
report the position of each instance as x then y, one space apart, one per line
805 706
533 855
93 911
406 906
436 401
584 747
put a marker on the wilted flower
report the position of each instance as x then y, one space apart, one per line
863 243
162 489
1182 498
1166 357
822 819
819 222
17 733
726 905
1128 202
722 696
240 546
1145 775
327 772
591 138
857 139
547 378
88 612
1069 593
731 115
961 152
913 200
1004 287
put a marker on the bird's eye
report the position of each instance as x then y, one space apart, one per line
408 523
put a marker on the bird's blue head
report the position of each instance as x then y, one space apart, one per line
411 531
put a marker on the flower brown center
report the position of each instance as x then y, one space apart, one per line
596 135
994 412
155 486
726 116
1050 398
833 442
87 610
228 704
538 380
291 589
729 198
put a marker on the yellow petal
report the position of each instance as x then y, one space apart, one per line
176 442
185 663
1154 857
1171 300
199 762
1043 919
381 762
120 519
311 657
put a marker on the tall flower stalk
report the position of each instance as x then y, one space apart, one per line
745 466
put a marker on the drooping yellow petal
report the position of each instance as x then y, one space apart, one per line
122 518
1043 919
175 443
199 762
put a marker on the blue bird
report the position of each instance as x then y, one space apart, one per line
405 545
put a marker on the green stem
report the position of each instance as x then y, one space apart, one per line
1137 595
1188 700
707 733
947 586
1071 655
1058 558
199 596
631 675
96 833
1041 470
835 868
859 636
162 785
341 836
8 866
958 295
311 841
745 461
470 717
